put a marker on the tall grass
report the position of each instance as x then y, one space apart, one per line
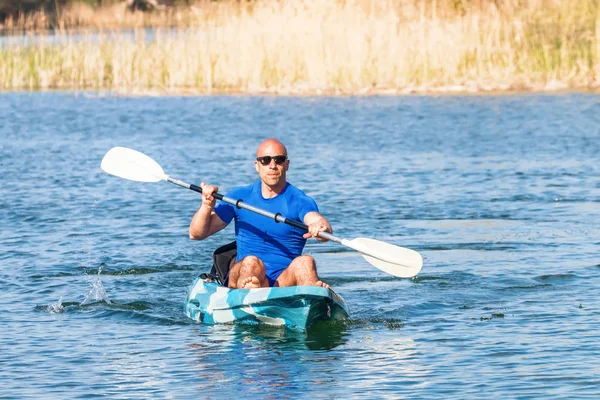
319 46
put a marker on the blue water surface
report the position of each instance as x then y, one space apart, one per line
500 194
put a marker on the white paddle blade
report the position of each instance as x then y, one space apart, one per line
394 260
131 164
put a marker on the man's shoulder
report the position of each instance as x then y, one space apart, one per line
302 203
242 191
296 191
300 198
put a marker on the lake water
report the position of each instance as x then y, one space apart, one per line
500 194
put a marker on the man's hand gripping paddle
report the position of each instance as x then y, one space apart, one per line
394 260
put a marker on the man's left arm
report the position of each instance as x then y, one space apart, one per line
316 223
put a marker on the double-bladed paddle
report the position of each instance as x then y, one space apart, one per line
135 166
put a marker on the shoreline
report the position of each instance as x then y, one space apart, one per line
440 92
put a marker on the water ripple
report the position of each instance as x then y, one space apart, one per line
498 193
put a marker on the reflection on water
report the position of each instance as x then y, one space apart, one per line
324 335
266 360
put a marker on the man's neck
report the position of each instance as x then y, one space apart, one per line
268 192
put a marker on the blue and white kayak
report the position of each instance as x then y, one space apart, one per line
296 307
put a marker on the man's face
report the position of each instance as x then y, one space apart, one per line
272 164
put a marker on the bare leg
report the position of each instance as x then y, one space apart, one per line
249 273
302 271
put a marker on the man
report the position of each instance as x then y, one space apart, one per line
268 253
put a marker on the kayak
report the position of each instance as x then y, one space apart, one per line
296 307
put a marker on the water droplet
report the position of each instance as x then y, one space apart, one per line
55 308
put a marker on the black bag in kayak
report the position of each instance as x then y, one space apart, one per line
221 262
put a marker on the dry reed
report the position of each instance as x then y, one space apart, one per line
314 47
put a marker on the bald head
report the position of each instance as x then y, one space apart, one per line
271 147
272 165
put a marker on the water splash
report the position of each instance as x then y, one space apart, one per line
97 292
55 308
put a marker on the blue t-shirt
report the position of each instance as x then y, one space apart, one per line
275 243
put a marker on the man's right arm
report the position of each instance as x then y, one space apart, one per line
206 222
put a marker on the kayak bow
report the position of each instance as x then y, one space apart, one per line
296 307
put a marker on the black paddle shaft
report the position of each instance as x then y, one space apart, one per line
280 218
240 204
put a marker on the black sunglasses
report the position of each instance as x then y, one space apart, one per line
266 160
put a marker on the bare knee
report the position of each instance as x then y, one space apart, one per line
302 271
251 265
307 260
251 262
305 263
